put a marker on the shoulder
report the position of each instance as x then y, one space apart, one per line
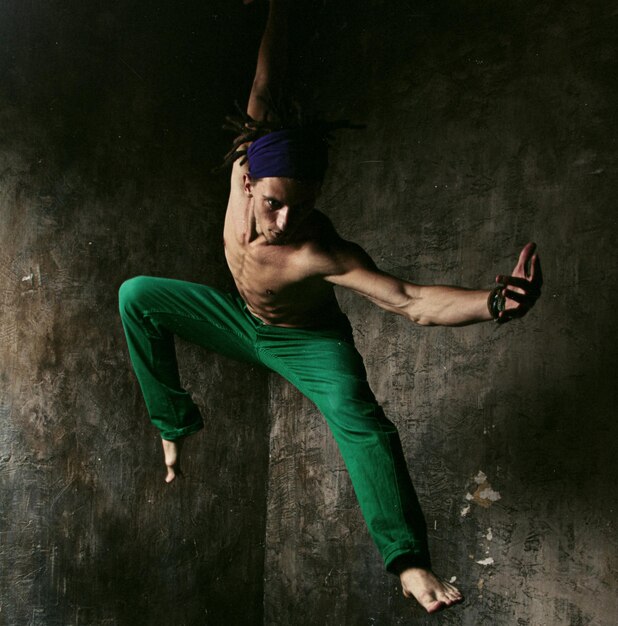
328 252
320 236
320 229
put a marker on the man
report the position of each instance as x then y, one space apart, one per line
285 258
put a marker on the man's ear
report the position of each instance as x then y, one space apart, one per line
248 187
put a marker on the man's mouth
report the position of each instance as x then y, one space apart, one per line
277 235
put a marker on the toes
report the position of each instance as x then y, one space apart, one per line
443 600
432 593
451 592
434 607
173 472
452 598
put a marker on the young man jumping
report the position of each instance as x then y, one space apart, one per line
285 258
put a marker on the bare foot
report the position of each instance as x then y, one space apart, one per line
431 592
171 452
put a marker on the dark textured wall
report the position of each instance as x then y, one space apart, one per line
488 124
111 117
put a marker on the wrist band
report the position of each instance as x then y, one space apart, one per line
496 303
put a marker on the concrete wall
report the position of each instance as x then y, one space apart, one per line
488 124
111 119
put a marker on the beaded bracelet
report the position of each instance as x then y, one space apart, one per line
496 303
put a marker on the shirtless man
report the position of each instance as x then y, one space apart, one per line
285 258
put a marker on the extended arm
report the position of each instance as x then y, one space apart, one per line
442 305
267 83
271 63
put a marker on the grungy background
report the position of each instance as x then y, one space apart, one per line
489 124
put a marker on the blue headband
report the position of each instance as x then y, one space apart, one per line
291 153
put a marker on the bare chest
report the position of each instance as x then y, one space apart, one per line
278 282
262 269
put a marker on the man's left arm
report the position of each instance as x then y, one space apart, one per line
440 305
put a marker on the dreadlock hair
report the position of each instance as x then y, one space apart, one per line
284 114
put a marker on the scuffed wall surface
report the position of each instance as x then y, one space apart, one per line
109 131
488 125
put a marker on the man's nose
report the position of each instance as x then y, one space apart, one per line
282 218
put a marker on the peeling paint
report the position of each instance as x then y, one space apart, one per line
480 478
489 494
484 495
32 280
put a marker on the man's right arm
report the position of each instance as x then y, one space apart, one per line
271 62
267 82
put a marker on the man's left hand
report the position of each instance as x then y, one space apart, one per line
523 287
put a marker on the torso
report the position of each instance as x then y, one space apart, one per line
283 285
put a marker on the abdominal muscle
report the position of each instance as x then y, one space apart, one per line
293 315
275 296
281 284
277 282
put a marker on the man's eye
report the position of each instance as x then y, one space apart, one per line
274 204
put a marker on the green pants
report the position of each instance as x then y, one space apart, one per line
322 363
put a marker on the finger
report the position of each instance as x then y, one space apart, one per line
510 314
536 277
530 258
530 267
523 263
521 298
516 281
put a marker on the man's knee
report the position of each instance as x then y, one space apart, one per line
354 409
133 291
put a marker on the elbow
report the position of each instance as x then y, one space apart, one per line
260 84
416 315
261 88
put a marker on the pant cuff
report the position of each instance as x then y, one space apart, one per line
405 558
179 433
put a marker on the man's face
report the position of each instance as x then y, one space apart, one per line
280 206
